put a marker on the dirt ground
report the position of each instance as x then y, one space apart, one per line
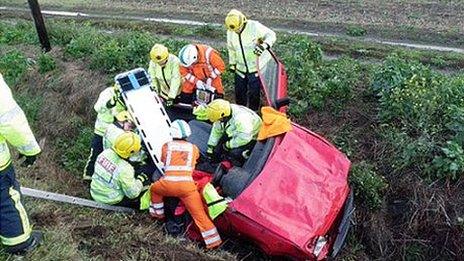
421 21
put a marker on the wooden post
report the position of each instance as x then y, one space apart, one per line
39 25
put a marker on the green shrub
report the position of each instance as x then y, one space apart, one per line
110 58
367 184
451 161
136 47
423 117
20 33
356 31
46 63
84 44
13 66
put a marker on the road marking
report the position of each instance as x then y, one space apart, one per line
198 23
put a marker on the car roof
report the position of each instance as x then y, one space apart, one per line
301 189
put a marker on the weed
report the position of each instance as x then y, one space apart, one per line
13 66
355 31
46 63
367 184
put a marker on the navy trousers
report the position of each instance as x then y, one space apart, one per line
95 150
14 223
248 90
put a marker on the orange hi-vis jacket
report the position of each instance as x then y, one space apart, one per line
180 158
209 65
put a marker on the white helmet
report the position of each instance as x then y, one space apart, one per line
180 129
188 55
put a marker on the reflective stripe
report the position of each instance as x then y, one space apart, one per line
210 232
208 54
212 240
156 211
28 147
157 205
10 115
178 178
178 168
189 77
15 196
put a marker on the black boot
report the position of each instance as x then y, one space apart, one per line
26 247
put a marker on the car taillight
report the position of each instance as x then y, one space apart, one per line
320 243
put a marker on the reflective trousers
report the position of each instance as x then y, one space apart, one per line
95 150
14 223
187 192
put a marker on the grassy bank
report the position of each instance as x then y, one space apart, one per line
400 122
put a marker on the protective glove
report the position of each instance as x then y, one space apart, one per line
226 146
210 153
169 102
143 178
111 103
200 85
29 161
259 48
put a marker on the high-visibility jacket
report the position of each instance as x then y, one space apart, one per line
241 46
166 79
105 115
14 128
113 179
180 158
209 65
242 127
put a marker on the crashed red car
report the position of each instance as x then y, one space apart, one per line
291 198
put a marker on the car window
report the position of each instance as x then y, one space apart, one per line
273 79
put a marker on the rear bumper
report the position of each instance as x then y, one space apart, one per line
344 227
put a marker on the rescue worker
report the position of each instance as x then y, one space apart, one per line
124 123
15 231
234 132
165 73
201 68
179 158
108 105
246 40
114 181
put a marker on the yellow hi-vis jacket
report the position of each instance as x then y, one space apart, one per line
241 128
166 80
241 46
105 115
14 128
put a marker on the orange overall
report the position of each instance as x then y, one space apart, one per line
209 65
180 158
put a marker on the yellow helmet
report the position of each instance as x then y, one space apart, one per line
217 110
127 144
124 116
235 20
159 54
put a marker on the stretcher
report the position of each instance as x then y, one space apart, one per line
147 110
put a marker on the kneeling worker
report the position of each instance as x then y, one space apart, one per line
179 158
234 132
114 181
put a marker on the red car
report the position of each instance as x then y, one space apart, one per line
292 197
